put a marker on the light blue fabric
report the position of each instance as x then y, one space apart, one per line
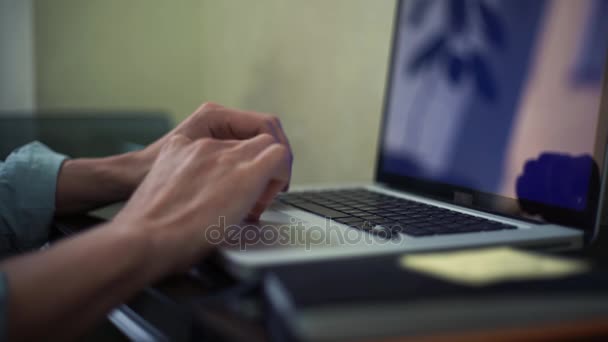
28 179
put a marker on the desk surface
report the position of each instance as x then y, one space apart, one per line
193 307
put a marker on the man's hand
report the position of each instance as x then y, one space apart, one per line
214 121
87 183
194 182
211 120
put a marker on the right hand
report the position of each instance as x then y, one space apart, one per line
193 183
214 121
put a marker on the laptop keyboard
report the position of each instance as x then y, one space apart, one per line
386 215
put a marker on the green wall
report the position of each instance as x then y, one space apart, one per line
319 65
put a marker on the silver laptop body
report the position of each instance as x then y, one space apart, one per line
502 73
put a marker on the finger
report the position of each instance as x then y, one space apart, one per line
268 124
257 148
269 166
280 133
273 125
208 145
273 188
244 125
254 146
238 124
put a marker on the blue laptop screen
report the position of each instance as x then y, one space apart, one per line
501 97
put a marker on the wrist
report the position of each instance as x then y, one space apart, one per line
153 248
87 183
127 170
135 167
136 248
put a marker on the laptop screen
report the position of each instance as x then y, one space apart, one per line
497 96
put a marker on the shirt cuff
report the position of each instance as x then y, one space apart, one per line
32 172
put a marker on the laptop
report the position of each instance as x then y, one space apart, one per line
493 133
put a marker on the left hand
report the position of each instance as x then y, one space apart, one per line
211 120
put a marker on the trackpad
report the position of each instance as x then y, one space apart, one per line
278 230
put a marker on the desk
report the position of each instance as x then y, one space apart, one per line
186 307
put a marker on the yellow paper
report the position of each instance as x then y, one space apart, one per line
480 267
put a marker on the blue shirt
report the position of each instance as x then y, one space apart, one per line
28 179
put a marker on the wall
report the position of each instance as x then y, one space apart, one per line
16 56
320 65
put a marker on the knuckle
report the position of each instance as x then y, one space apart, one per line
242 171
176 140
281 150
266 138
204 144
206 106
205 110
272 119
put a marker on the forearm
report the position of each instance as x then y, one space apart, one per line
84 184
95 271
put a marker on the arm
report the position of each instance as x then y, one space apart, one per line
84 184
161 230
61 291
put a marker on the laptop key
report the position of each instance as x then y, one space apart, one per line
379 212
385 222
372 218
354 212
293 200
394 214
348 220
319 210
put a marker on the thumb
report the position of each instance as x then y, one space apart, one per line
274 187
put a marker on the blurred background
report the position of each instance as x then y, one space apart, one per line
319 65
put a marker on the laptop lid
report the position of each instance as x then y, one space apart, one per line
496 105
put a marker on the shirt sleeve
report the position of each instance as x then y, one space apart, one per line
28 179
